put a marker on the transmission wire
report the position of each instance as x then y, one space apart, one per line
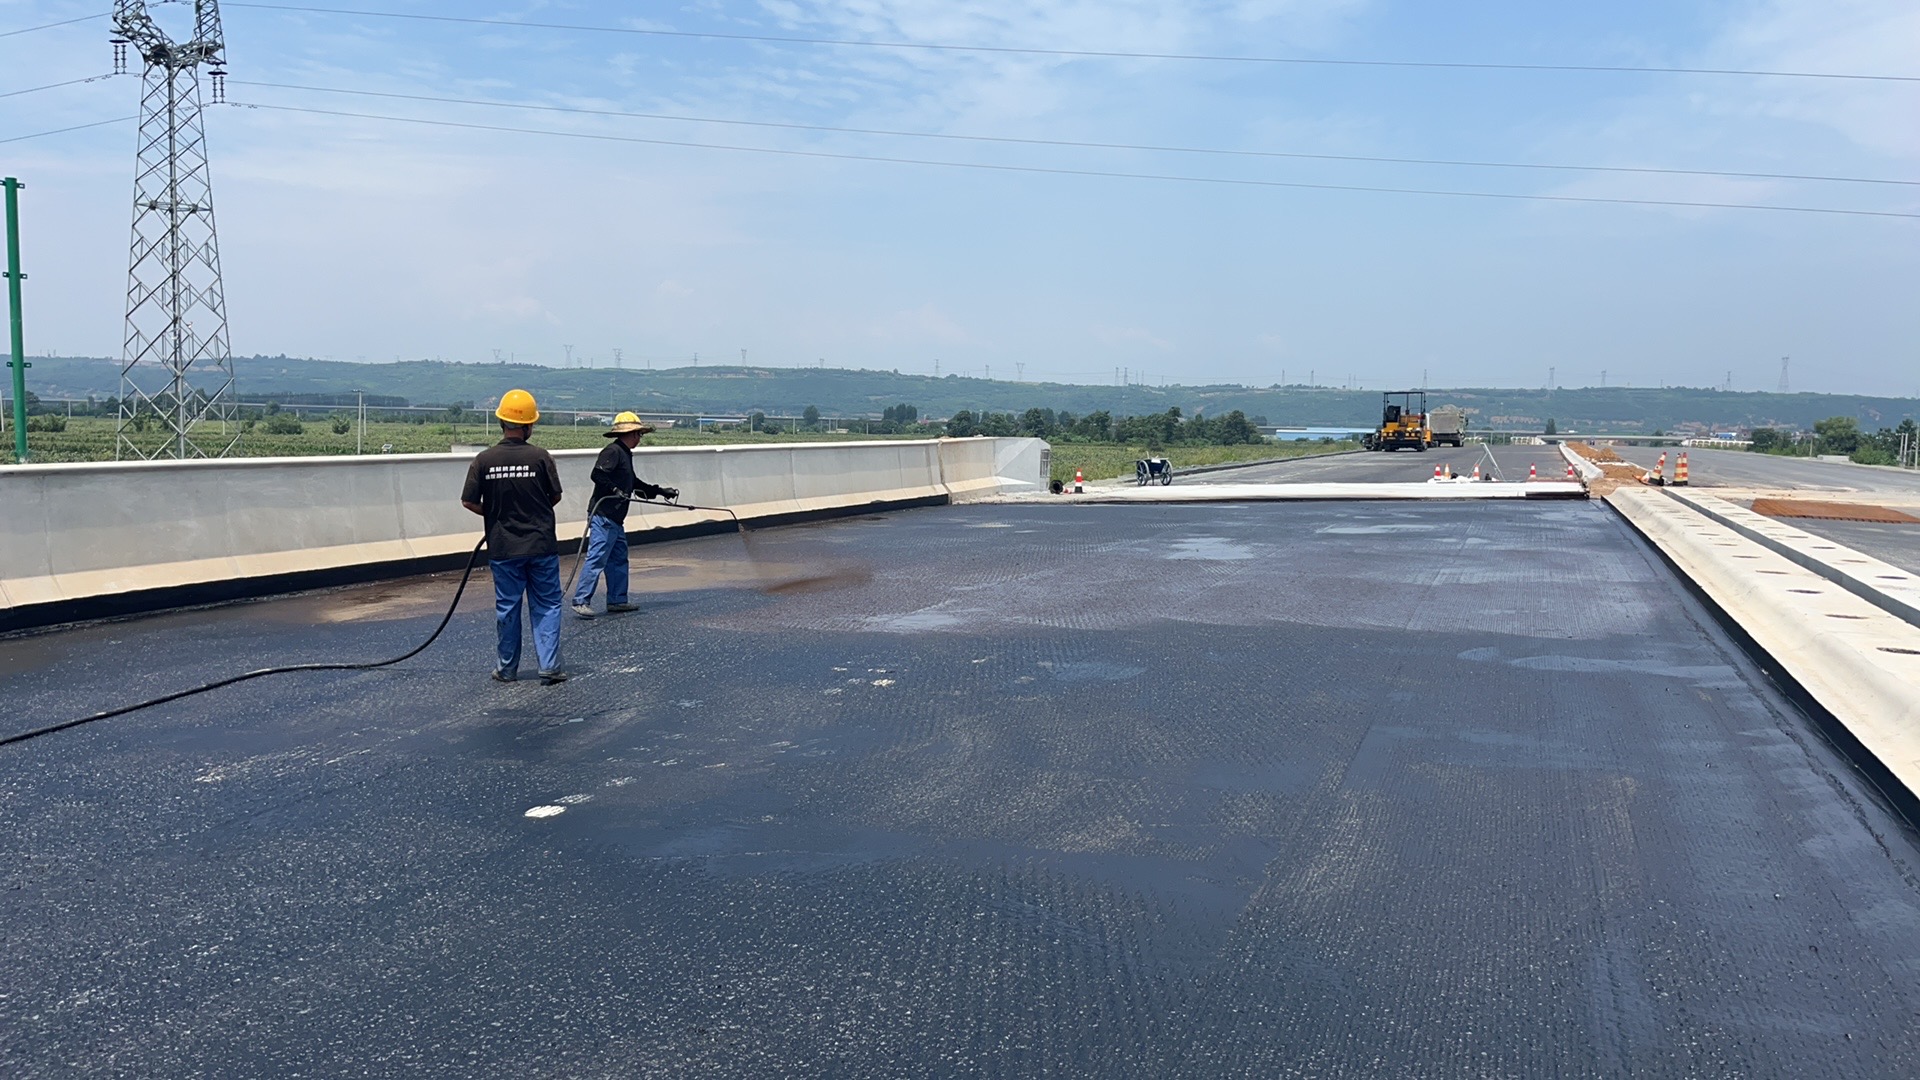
1074 143
981 166
51 25
56 86
64 130
1112 54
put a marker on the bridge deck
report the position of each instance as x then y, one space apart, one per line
1317 789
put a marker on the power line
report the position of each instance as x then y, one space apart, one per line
51 25
1090 172
64 130
1075 144
1110 54
56 86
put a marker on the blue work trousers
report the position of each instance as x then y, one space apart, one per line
536 578
606 551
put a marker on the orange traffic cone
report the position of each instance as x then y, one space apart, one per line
1436 473
1079 483
1660 469
1533 472
1476 470
1680 469
1571 475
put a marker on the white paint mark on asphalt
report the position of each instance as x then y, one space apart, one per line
1371 530
1210 549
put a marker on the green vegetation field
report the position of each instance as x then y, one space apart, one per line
91 439
1104 461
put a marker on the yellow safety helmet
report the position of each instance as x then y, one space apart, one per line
517 407
627 422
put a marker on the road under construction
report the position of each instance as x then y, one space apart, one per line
1032 786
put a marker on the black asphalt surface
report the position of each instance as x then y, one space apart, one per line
1741 469
1320 789
1897 544
1393 466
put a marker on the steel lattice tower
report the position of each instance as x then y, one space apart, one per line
176 333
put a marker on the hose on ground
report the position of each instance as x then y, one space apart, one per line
473 560
466 575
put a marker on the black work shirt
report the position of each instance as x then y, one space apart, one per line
515 484
613 481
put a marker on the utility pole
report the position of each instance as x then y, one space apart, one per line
19 361
1603 378
1019 372
569 349
360 438
616 359
1783 374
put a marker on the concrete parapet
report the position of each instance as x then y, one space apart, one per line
1851 660
84 539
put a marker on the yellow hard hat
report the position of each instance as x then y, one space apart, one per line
517 407
628 422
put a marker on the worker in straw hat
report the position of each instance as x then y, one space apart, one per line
614 485
514 485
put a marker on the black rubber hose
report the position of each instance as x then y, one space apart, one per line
473 560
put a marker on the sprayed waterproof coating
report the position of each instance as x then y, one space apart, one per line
1326 790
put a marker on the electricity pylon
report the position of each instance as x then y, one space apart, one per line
176 372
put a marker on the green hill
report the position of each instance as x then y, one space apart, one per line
733 390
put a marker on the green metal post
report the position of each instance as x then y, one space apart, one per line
19 365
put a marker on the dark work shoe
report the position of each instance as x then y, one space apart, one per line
548 678
615 609
501 676
583 611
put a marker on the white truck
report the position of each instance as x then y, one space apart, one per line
1447 426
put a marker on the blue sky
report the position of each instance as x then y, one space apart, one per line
348 237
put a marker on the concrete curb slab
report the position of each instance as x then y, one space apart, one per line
1422 491
1881 584
1857 662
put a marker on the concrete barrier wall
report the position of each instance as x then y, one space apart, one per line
76 532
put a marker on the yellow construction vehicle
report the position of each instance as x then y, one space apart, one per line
1403 422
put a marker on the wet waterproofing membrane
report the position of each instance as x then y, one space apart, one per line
1231 790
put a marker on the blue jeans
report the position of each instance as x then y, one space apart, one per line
537 578
606 551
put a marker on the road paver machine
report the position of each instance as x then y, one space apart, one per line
1403 422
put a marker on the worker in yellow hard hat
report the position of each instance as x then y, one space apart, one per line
614 485
515 485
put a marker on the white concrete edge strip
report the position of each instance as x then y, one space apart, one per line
1588 470
1837 646
1422 491
1878 583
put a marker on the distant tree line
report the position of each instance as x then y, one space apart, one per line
1155 431
1840 435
